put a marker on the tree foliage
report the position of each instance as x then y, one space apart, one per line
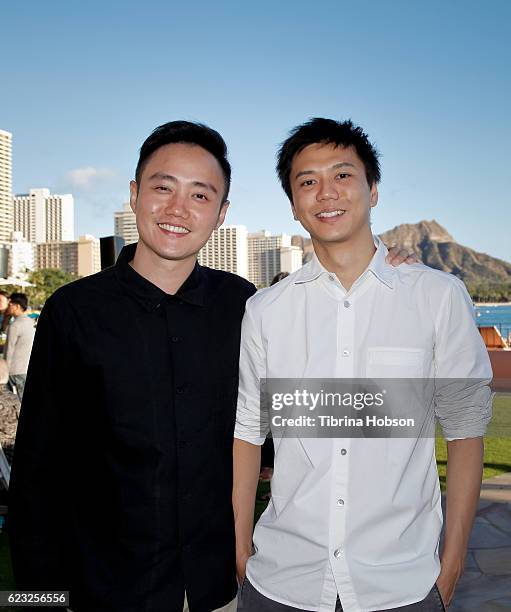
45 283
490 292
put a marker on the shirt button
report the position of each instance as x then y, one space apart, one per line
331 277
175 339
180 390
338 553
346 352
340 502
347 304
343 451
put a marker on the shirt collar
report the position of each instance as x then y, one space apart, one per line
377 266
192 291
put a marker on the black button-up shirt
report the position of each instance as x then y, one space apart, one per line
122 470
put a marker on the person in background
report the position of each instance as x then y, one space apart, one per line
20 338
4 303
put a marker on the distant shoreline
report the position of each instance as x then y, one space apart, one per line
477 304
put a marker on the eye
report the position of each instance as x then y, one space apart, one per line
343 175
307 183
201 196
162 188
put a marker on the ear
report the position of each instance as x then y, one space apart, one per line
374 195
133 195
221 214
293 210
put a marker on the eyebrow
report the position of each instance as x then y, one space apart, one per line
162 176
334 167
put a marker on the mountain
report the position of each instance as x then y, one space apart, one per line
435 247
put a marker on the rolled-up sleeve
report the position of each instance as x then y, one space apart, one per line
251 420
463 397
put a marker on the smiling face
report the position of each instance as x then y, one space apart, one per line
179 201
331 196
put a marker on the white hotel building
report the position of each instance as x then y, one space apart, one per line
257 257
227 249
270 254
5 186
44 217
125 224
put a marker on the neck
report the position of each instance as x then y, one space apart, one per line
167 274
347 260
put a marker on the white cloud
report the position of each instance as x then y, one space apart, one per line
84 179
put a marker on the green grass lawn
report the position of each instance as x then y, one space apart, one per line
497 450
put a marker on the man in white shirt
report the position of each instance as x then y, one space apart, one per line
354 523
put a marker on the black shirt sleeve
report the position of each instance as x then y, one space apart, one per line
37 512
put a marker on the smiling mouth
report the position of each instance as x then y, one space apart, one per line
176 229
326 214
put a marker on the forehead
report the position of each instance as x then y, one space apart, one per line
319 156
184 160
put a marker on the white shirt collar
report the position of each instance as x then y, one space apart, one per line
381 270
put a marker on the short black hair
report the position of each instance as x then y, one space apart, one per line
20 299
327 131
186 132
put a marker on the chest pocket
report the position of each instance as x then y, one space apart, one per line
394 362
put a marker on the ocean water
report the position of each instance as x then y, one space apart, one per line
500 316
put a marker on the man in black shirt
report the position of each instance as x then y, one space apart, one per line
122 471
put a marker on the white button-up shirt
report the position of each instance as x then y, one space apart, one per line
358 518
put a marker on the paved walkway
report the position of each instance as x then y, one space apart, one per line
486 583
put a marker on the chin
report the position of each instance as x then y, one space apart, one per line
330 238
172 255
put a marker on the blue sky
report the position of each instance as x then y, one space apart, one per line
84 83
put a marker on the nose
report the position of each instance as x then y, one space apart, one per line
176 206
327 191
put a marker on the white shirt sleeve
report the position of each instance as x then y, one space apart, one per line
463 398
251 421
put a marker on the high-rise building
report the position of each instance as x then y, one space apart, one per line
227 249
291 258
43 217
59 255
89 255
125 224
6 221
265 259
81 257
4 260
21 256
60 217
